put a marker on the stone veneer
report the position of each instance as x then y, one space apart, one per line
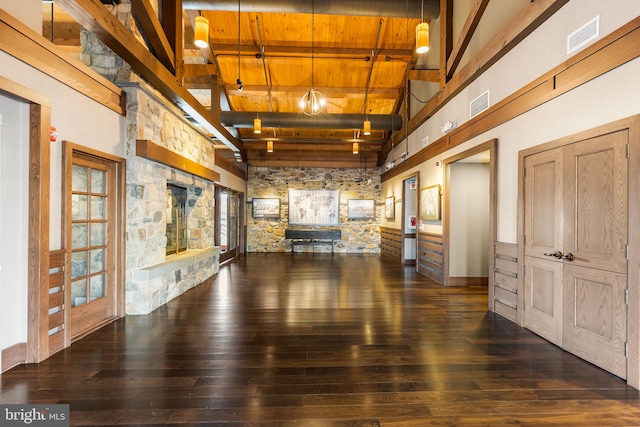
148 117
358 236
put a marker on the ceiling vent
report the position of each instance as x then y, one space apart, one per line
478 105
583 35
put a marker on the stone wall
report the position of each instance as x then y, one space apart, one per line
358 236
149 117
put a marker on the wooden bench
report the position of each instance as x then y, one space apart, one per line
313 236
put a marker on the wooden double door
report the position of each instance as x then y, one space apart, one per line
576 236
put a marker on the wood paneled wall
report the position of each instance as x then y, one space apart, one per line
58 266
391 243
504 298
431 256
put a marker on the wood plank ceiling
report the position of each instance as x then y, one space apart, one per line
356 53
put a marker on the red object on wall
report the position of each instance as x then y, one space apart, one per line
53 135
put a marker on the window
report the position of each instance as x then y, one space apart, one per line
176 219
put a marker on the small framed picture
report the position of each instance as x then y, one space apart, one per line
390 208
265 208
430 203
361 209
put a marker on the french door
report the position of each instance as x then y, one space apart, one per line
91 225
576 232
228 223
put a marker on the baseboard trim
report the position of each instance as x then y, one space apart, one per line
468 281
14 356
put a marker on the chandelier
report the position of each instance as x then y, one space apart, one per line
312 102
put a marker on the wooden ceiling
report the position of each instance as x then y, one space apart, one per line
359 63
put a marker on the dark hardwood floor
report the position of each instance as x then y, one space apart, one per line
321 340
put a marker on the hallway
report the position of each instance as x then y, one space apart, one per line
320 340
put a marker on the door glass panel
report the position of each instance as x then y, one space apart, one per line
233 208
78 292
97 287
98 207
79 207
98 181
224 224
79 182
79 236
97 260
78 264
98 234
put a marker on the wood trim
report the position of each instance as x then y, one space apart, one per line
446 39
468 281
26 45
425 75
505 299
149 150
14 356
59 264
225 164
491 146
614 50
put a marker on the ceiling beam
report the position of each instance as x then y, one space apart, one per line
360 54
153 33
477 10
171 19
446 38
425 75
297 91
192 70
96 18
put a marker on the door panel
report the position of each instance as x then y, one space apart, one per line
595 317
543 290
543 203
596 172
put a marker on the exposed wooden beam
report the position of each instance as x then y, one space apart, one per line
191 70
96 18
425 75
477 10
382 55
150 150
328 92
523 24
152 31
446 38
171 19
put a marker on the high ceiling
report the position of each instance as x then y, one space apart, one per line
356 53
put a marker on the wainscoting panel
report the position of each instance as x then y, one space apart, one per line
505 279
431 256
391 243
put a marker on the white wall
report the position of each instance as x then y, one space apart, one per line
14 200
29 12
469 238
613 96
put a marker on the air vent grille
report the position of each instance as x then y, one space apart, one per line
583 35
478 105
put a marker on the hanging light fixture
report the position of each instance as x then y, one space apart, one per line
422 34
269 146
201 32
239 81
356 148
257 125
367 127
312 102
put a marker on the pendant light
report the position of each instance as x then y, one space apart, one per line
269 146
367 127
422 34
312 103
257 125
201 32
356 148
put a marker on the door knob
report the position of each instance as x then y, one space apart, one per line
568 256
556 254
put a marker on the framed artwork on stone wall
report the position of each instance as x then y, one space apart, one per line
361 209
265 208
314 207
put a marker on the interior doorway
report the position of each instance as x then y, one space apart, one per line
469 216
409 223
229 220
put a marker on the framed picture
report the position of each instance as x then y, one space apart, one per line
390 208
430 203
265 208
314 207
361 209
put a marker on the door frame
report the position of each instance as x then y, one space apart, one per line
490 146
119 273
239 248
632 125
403 221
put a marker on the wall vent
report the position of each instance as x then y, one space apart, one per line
583 35
425 140
479 104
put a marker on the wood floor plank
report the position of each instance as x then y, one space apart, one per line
310 340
